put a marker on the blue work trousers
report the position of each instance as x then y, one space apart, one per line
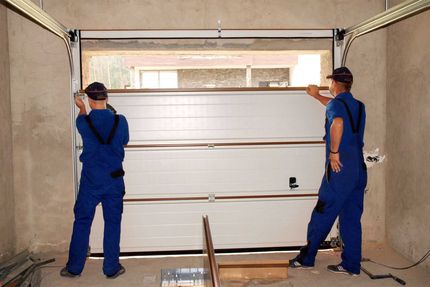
111 198
341 194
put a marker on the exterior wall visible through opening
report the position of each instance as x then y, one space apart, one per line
194 78
206 63
209 78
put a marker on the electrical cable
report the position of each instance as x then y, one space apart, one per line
424 258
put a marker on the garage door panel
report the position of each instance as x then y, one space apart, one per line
152 227
205 190
203 111
222 171
215 136
254 123
220 116
154 218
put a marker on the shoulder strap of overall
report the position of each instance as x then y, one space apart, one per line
113 130
360 113
94 130
351 121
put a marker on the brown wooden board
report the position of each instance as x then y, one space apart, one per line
245 270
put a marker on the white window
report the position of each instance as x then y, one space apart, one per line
158 79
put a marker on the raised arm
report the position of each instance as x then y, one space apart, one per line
81 106
314 92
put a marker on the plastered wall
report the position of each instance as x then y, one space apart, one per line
7 220
408 137
41 105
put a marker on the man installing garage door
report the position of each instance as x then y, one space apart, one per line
342 188
104 135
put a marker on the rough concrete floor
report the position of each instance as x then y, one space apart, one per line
146 271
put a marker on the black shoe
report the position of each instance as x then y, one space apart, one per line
118 273
65 273
340 270
295 264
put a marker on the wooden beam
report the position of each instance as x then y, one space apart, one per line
267 270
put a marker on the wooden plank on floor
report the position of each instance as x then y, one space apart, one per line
246 270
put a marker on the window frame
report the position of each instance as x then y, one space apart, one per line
202 34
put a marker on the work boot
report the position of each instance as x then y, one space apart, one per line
295 264
340 270
66 273
118 273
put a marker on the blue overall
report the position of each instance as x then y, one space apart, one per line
104 136
341 194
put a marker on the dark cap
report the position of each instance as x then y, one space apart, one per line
96 91
342 74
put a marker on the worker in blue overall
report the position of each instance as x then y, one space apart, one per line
342 188
104 135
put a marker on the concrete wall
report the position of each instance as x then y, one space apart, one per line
209 77
277 75
197 78
41 104
408 137
367 60
7 219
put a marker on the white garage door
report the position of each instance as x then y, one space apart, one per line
229 155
